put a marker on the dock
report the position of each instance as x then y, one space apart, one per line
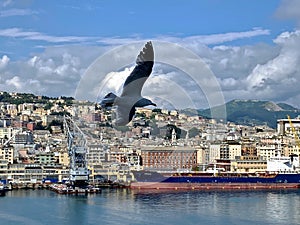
69 190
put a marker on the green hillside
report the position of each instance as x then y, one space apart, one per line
253 112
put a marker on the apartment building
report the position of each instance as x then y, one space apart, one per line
168 157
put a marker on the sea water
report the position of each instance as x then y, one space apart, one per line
123 206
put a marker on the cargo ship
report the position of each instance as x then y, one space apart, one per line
281 173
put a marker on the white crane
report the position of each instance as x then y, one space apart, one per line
79 173
9 139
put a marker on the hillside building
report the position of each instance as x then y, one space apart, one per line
284 127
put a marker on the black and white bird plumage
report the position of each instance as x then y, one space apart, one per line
130 97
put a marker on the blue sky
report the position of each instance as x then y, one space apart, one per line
92 20
46 46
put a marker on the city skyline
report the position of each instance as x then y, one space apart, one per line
251 47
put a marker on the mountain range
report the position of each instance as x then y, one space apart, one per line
253 112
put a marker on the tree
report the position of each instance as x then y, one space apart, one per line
170 128
39 126
48 106
193 132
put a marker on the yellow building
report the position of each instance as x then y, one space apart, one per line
40 112
3 168
16 173
7 153
147 112
249 164
63 158
6 132
235 149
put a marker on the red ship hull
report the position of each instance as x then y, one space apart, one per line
211 186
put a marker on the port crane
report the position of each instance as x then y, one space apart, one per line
294 132
77 149
9 139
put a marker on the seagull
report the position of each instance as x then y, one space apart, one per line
130 97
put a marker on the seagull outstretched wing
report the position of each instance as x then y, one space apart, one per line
144 63
124 106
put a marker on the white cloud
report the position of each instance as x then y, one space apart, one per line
228 83
171 89
16 12
61 70
15 82
54 72
6 3
18 83
37 36
287 38
114 81
192 41
289 9
279 77
225 37
258 71
4 61
275 70
33 61
195 40
166 88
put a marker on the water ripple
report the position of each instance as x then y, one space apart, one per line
123 206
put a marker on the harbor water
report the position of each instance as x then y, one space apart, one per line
123 206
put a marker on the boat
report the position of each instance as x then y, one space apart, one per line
67 189
281 173
156 180
2 190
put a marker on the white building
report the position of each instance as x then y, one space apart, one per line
214 152
284 127
283 163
